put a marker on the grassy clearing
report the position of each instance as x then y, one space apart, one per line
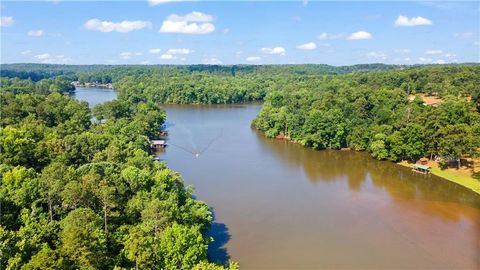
462 176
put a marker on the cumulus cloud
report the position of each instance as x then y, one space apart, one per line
166 56
414 21
450 55
192 23
26 52
275 50
47 58
377 55
328 36
464 35
212 61
6 21
434 52
36 33
171 54
179 51
128 55
253 59
122 27
155 50
158 2
307 46
144 62
360 35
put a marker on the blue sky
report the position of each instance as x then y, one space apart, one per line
274 32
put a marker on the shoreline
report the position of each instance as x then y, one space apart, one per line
468 181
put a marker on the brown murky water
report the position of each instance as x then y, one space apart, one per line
279 205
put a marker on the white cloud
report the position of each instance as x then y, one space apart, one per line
144 62
434 52
407 59
307 46
377 55
26 52
327 36
360 35
6 21
36 33
125 55
122 27
226 30
253 59
179 51
47 58
414 21
426 60
128 55
42 56
155 51
171 54
275 50
158 2
464 35
192 23
450 55
212 61
167 56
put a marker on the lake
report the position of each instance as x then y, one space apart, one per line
94 95
278 205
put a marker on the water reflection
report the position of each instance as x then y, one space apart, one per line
217 250
357 168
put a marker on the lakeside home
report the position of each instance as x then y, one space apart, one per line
92 85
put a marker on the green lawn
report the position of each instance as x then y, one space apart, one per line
462 177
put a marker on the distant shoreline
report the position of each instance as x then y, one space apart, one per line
92 85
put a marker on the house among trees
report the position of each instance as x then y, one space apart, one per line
157 145
423 161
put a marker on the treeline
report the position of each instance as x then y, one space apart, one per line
372 112
111 73
83 194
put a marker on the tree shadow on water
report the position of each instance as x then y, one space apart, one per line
217 252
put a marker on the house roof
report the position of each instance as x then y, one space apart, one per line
423 167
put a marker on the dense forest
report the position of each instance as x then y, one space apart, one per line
372 111
84 193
